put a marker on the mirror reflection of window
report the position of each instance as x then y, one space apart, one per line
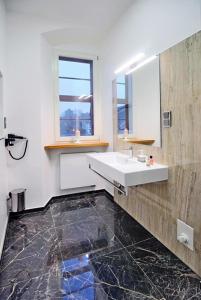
146 99
124 103
137 98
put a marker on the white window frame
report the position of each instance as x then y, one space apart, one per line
96 101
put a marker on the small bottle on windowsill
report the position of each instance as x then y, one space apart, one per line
125 134
77 136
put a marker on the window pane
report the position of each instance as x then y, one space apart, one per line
122 125
67 127
121 94
74 69
75 115
121 118
121 79
121 111
72 87
70 110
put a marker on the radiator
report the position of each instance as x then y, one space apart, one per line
75 172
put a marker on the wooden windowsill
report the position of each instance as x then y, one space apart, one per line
140 141
82 144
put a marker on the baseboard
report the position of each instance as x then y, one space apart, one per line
59 198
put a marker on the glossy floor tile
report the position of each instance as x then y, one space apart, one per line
172 277
73 211
116 272
85 247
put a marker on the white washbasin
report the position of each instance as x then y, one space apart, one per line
124 170
114 158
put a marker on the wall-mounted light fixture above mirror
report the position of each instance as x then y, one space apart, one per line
141 64
138 103
130 63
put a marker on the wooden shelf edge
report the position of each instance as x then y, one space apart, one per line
140 141
144 142
82 144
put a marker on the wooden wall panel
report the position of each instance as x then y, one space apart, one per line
157 206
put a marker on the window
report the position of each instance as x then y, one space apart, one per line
76 107
122 103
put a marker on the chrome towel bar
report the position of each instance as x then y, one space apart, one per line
117 186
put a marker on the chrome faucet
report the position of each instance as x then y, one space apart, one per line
131 151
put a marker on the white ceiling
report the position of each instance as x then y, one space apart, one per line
98 16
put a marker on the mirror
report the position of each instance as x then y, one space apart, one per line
1 107
138 104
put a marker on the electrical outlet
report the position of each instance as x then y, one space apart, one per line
167 119
185 234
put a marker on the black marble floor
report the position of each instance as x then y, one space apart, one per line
87 248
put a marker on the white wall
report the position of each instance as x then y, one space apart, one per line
3 167
149 26
23 105
31 108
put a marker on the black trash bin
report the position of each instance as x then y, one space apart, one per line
17 200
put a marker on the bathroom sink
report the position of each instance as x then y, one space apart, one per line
115 158
125 170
